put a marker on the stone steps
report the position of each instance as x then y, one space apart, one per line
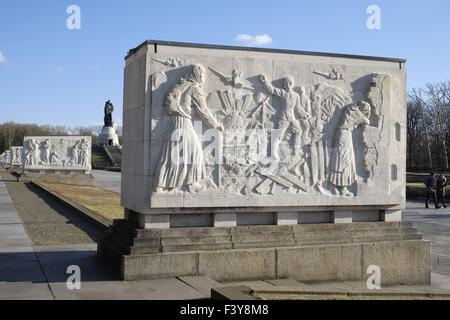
130 240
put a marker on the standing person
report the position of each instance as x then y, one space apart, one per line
441 184
431 189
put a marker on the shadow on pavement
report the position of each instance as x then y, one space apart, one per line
52 266
7 180
73 217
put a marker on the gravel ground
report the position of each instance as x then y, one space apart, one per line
46 221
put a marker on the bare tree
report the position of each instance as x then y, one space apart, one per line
436 103
413 133
416 95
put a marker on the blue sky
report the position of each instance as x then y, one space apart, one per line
52 75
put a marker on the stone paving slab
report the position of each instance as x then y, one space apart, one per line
14 290
80 258
285 282
255 285
49 297
6 257
58 274
162 289
33 276
100 290
202 284
67 247
440 281
15 245
7 208
9 218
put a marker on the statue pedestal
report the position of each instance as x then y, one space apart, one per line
304 252
108 137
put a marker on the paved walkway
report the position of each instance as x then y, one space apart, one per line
108 180
21 275
39 272
48 221
434 224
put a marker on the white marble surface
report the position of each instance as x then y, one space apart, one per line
317 103
108 136
16 155
57 153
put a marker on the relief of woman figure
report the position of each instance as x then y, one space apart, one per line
182 161
343 167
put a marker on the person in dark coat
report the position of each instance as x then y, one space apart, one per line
441 183
431 190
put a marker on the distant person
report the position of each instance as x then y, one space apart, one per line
431 190
441 183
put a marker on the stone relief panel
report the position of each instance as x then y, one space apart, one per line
261 136
57 153
16 156
6 157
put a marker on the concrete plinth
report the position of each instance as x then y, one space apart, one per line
108 137
313 252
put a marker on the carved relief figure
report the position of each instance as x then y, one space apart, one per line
182 161
326 100
290 105
31 156
46 154
16 153
13 155
19 154
84 154
55 158
74 155
343 167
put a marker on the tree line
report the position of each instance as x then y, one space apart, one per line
12 134
428 120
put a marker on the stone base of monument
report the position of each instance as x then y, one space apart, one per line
64 177
304 252
108 137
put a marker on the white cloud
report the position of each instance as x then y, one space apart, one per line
59 69
258 40
92 67
2 58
